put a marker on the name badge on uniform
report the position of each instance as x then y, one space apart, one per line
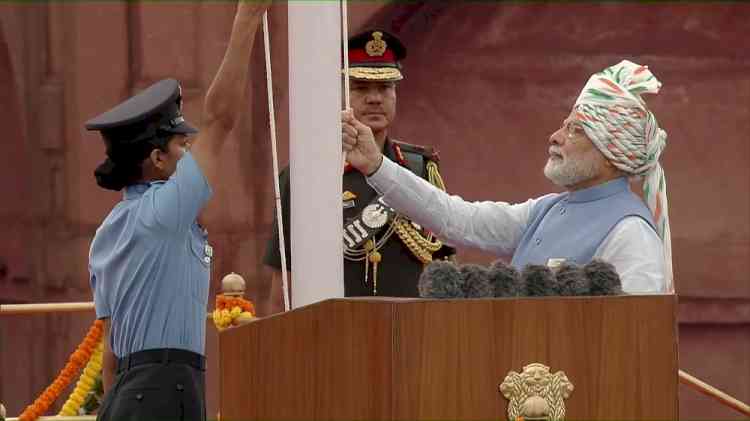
555 262
208 253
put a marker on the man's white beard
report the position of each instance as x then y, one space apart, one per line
569 172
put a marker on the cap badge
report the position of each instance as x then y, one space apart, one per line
376 46
176 121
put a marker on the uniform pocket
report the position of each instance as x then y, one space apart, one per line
146 404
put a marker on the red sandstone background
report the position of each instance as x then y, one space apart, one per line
486 84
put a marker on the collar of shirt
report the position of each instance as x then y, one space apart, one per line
600 191
134 191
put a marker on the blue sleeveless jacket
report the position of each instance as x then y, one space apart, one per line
573 225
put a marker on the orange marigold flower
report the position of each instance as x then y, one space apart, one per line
68 371
78 357
26 415
30 412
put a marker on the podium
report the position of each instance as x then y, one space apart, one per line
413 359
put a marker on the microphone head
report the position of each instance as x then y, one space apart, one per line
539 280
603 278
572 280
506 281
441 279
476 281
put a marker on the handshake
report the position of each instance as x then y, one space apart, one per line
444 279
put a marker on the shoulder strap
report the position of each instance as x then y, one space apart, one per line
414 157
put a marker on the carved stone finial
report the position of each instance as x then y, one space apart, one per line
2 412
233 284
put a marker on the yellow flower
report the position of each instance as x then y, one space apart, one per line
87 381
68 409
77 400
91 371
244 317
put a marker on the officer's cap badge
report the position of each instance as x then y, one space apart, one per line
376 46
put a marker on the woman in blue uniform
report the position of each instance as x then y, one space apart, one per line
150 259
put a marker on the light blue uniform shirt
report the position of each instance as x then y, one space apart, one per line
150 264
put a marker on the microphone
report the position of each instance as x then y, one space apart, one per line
603 278
572 280
441 279
505 280
539 280
476 281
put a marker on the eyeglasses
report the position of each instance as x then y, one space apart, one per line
572 129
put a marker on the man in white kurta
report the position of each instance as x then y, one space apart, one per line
609 137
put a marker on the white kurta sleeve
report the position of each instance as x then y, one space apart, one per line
636 251
495 227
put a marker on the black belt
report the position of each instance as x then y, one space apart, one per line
162 356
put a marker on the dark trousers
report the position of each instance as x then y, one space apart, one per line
164 390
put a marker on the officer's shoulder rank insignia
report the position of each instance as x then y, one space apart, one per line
376 46
428 152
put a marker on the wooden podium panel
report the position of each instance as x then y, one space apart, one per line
409 359
327 361
619 353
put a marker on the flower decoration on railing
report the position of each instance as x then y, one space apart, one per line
89 385
231 308
75 364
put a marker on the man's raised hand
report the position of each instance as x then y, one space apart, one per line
359 144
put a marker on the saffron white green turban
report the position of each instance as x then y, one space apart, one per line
616 119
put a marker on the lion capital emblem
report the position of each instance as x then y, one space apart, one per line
535 394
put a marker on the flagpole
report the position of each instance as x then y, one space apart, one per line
315 150
345 46
277 194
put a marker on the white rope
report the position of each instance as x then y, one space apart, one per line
345 44
272 124
345 51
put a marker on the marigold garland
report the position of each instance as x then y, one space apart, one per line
75 363
231 310
85 383
228 302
